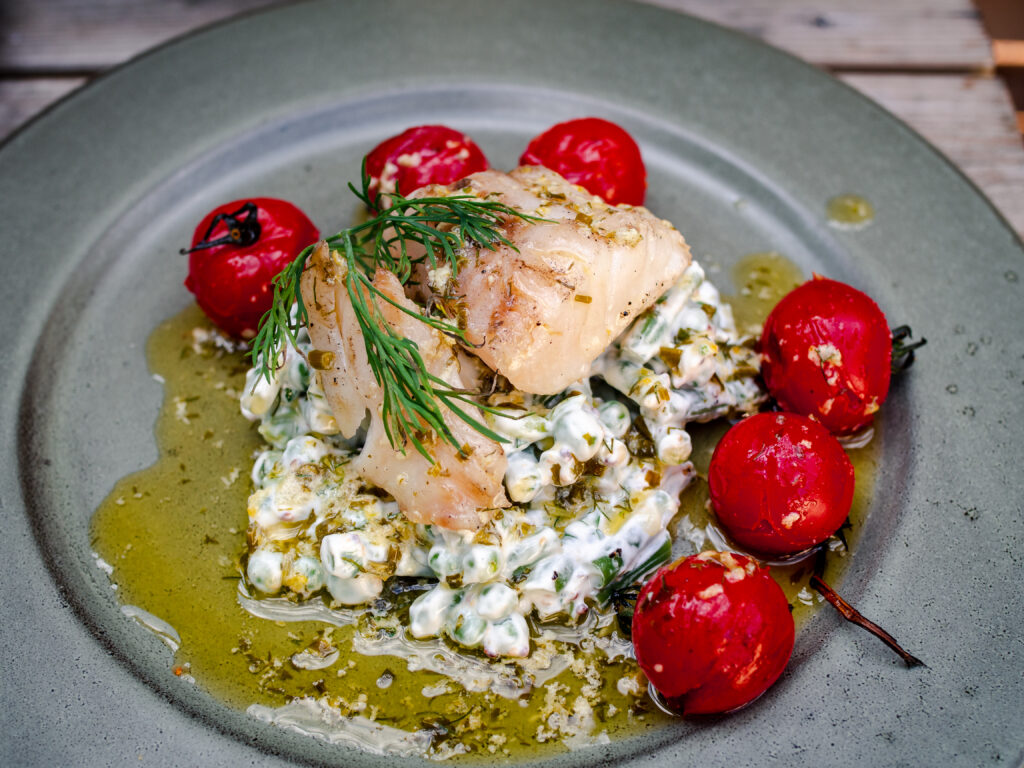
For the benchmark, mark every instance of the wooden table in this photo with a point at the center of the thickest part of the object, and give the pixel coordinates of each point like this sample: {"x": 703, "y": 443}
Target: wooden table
{"x": 927, "y": 61}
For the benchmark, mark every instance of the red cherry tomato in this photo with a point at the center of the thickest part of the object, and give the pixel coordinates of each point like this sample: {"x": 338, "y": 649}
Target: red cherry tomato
{"x": 712, "y": 632}
{"x": 780, "y": 483}
{"x": 594, "y": 153}
{"x": 827, "y": 353}
{"x": 425, "y": 154}
{"x": 237, "y": 250}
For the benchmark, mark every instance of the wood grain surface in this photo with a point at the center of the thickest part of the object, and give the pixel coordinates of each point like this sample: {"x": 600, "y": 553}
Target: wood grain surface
{"x": 860, "y": 34}
{"x": 83, "y": 36}
{"x": 50, "y": 36}
{"x": 927, "y": 61}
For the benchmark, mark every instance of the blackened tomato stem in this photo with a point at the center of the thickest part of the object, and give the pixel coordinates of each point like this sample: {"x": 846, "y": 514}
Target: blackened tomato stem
{"x": 854, "y": 616}
{"x": 241, "y": 231}
{"x": 903, "y": 348}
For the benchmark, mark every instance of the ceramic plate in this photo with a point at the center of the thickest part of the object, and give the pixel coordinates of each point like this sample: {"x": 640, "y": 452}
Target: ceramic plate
{"x": 744, "y": 145}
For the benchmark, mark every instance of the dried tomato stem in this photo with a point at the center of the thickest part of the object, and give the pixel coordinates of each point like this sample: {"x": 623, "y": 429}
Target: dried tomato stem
{"x": 854, "y": 616}
{"x": 241, "y": 231}
{"x": 902, "y": 349}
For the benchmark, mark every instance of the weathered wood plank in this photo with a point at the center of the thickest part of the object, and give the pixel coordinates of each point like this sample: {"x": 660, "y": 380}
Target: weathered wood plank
{"x": 87, "y": 35}
{"x": 970, "y": 119}
{"x": 22, "y": 99}
{"x": 53, "y": 36}
{"x": 870, "y": 34}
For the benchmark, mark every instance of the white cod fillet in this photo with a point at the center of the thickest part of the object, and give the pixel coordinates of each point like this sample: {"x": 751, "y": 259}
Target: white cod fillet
{"x": 457, "y": 492}
{"x": 542, "y": 315}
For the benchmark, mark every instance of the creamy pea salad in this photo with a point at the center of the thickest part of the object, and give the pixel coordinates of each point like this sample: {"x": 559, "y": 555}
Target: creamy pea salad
{"x": 594, "y": 476}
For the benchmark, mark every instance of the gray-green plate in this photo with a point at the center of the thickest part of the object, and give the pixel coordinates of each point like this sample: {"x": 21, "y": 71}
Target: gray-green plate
{"x": 744, "y": 145}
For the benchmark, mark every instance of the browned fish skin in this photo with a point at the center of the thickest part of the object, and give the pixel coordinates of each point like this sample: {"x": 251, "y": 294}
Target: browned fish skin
{"x": 542, "y": 312}
{"x": 457, "y": 491}
{"x": 347, "y": 381}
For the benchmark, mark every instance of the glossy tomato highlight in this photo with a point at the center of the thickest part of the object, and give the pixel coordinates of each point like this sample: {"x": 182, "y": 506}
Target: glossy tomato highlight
{"x": 827, "y": 354}
{"x": 237, "y": 250}
{"x": 780, "y": 483}
{"x": 422, "y": 155}
{"x": 597, "y": 154}
{"x": 712, "y": 632}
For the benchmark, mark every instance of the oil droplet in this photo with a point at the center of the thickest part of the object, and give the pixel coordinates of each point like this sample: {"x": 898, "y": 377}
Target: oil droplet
{"x": 952, "y": 389}
{"x": 849, "y": 212}
{"x": 761, "y": 279}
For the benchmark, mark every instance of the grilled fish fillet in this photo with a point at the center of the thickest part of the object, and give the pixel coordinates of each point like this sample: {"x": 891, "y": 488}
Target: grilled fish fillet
{"x": 542, "y": 312}
{"x": 458, "y": 491}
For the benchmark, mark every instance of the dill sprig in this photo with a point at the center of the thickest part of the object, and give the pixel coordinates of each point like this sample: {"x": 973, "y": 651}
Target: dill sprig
{"x": 624, "y": 581}
{"x": 412, "y": 396}
{"x": 622, "y": 592}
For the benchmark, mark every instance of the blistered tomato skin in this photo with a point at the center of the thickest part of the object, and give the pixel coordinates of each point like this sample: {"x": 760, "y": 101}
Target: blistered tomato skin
{"x": 827, "y": 352}
{"x": 232, "y": 283}
{"x": 712, "y": 632}
{"x": 597, "y": 154}
{"x": 780, "y": 483}
{"x": 422, "y": 155}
